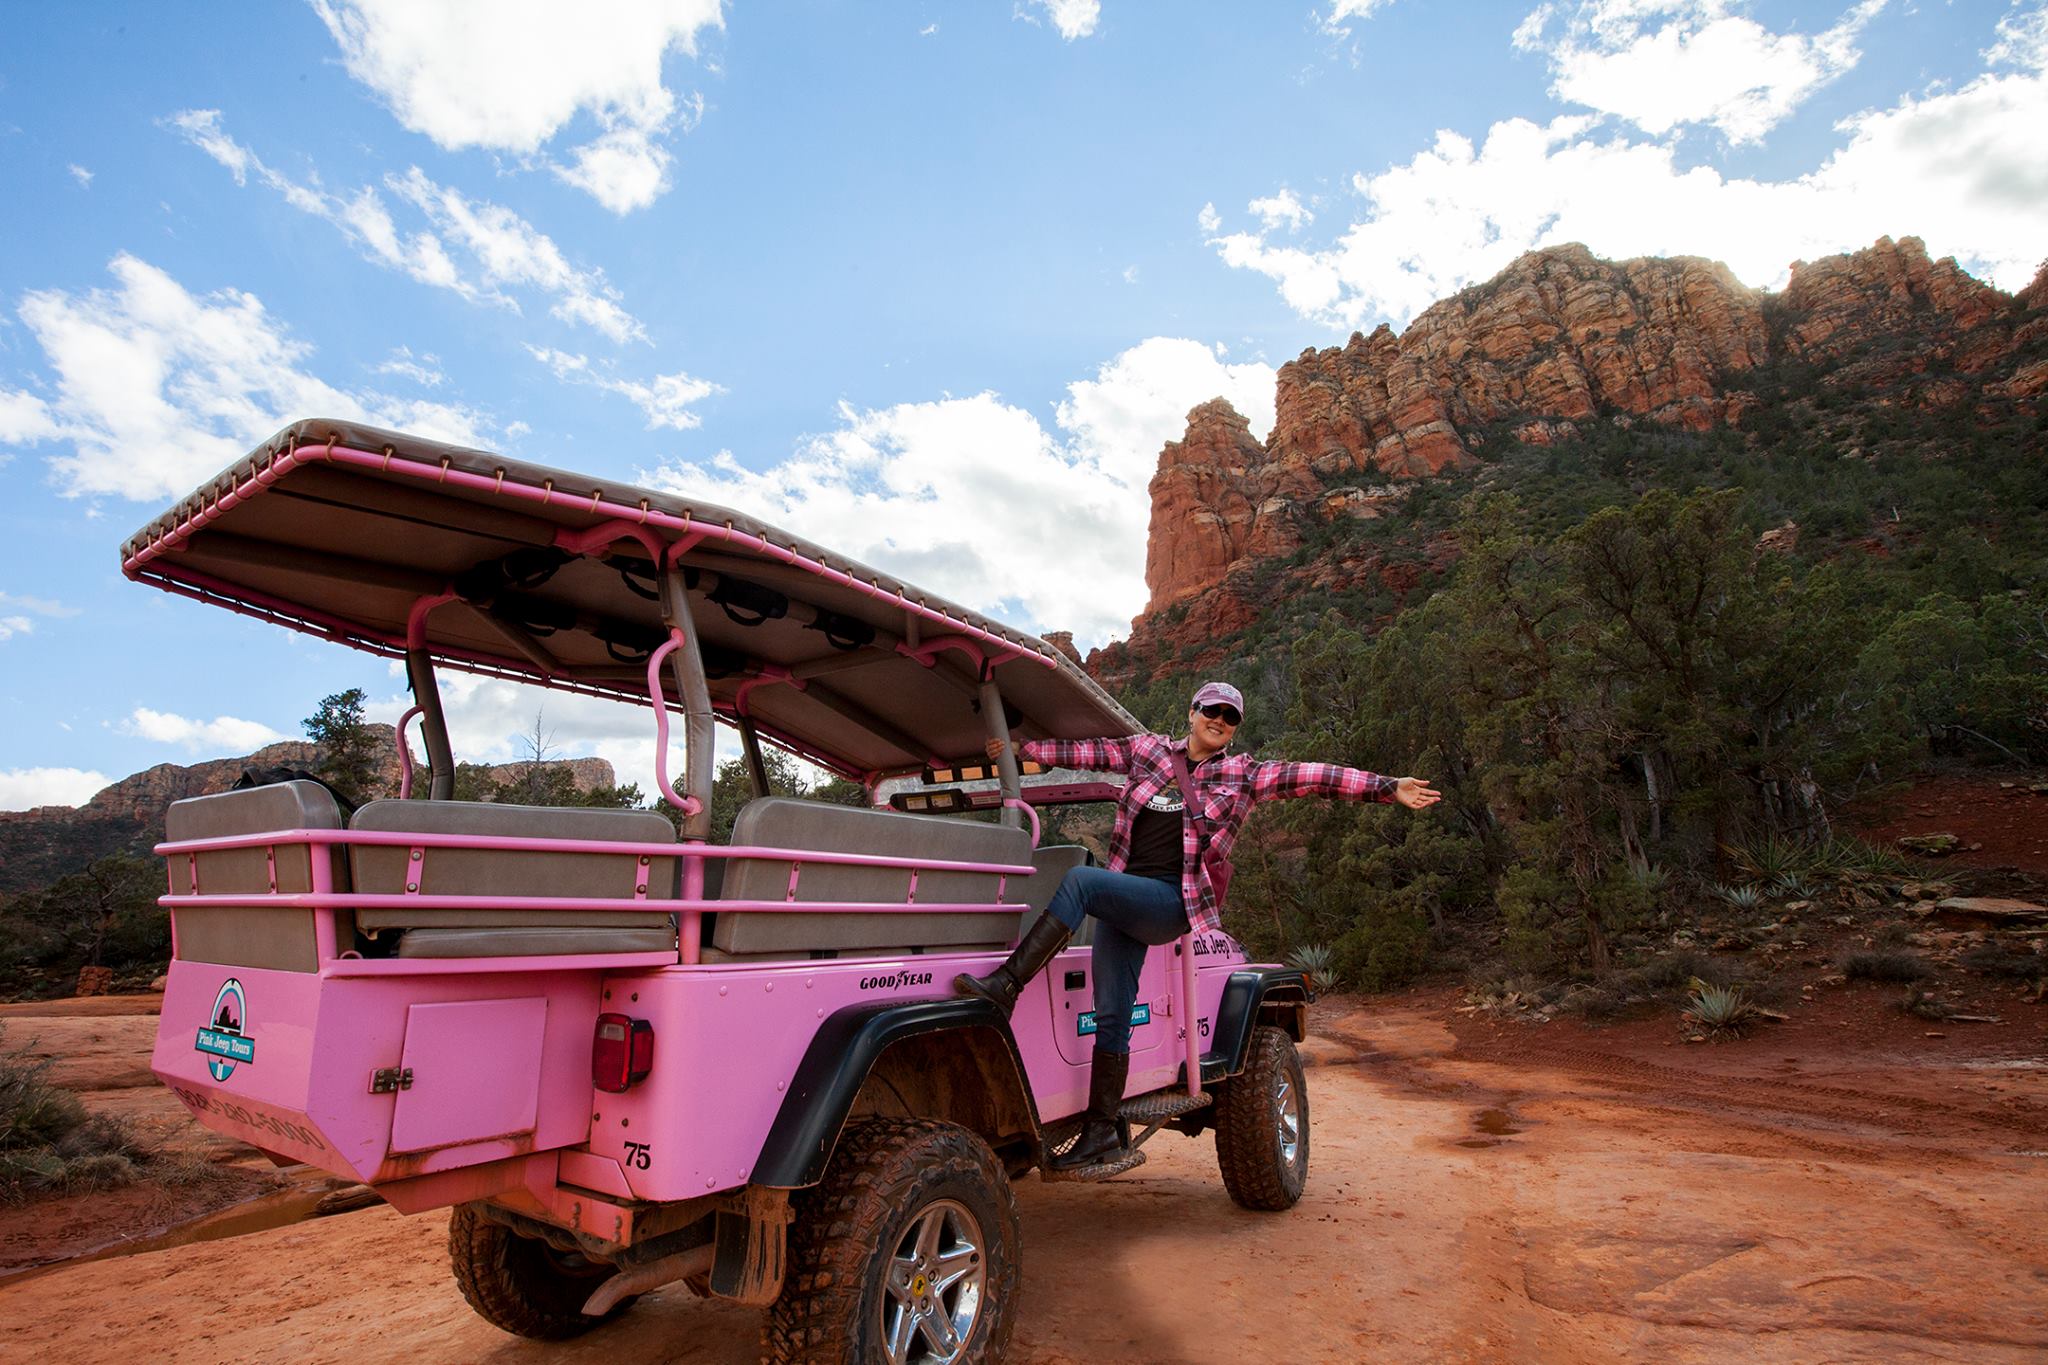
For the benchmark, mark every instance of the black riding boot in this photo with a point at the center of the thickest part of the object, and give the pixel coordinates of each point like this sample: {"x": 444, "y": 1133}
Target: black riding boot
{"x": 1102, "y": 1136}
{"x": 1002, "y": 986}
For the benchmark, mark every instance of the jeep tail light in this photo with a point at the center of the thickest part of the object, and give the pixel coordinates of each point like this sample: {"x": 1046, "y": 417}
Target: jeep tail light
{"x": 621, "y": 1053}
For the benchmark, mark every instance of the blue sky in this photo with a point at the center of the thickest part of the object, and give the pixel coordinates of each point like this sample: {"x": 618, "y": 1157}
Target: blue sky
{"x": 864, "y": 269}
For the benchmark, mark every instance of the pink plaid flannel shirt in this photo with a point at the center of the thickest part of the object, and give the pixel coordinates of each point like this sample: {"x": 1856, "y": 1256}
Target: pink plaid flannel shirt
{"x": 1226, "y": 786}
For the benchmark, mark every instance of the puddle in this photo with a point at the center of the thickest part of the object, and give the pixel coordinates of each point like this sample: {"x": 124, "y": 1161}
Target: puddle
{"x": 1479, "y": 1142}
{"x": 1497, "y": 1121}
{"x": 256, "y": 1215}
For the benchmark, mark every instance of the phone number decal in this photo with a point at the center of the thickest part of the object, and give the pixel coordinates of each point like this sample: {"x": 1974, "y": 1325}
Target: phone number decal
{"x": 237, "y": 1111}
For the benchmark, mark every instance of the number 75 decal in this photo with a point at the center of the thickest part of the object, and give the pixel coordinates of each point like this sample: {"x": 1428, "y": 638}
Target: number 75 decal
{"x": 639, "y": 1155}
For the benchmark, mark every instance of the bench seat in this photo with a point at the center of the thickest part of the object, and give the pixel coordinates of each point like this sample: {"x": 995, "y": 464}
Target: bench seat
{"x": 436, "y": 932}
{"x": 784, "y": 823}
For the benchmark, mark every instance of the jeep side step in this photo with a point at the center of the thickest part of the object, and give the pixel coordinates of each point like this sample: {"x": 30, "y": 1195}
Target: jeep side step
{"x": 1153, "y": 1110}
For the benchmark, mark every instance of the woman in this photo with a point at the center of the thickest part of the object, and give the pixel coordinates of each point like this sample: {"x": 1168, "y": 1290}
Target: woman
{"x": 1169, "y": 858}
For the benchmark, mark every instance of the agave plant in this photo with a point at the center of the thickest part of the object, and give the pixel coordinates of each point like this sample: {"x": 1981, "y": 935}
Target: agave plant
{"x": 1772, "y": 856}
{"x": 1719, "y": 1010}
{"x": 1313, "y": 960}
{"x": 1792, "y": 887}
{"x": 1744, "y": 897}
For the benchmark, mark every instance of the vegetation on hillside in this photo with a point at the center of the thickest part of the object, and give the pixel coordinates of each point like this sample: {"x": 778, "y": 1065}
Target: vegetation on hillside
{"x": 1615, "y": 687}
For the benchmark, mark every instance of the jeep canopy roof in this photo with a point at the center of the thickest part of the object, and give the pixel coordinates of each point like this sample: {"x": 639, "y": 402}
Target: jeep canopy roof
{"x": 516, "y": 571}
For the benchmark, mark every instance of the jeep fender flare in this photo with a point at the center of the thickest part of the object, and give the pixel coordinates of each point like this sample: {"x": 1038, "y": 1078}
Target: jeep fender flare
{"x": 843, "y": 1052}
{"x": 1275, "y": 995}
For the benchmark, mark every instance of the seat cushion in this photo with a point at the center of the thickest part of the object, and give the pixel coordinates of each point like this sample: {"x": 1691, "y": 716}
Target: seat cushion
{"x": 388, "y": 869}
{"x": 814, "y": 826}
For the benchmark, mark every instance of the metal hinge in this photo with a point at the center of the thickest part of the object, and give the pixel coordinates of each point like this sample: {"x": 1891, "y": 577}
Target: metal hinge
{"x": 386, "y": 1079}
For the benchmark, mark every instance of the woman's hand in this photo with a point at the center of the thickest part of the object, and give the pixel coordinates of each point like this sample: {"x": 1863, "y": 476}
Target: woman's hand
{"x": 1414, "y": 793}
{"x": 994, "y": 749}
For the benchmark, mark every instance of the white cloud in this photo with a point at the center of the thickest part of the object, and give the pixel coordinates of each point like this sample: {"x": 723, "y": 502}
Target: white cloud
{"x": 21, "y": 611}
{"x": 1958, "y": 168}
{"x": 1073, "y": 18}
{"x": 1282, "y": 207}
{"x": 157, "y": 388}
{"x": 1208, "y": 219}
{"x": 913, "y": 488}
{"x": 511, "y": 75}
{"x": 423, "y": 370}
{"x": 505, "y": 252}
{"x": 665, "y": 400}
{"x": 511, "y": 251}
{"x": 27, "y": 788}
{"x": 81, "y": 175}
{"x": 1665, "y": 64}
{"x": 1341, "y": 12}
{"x": 24, "y": 418}
{"x": 2022, "y": 40}
{"x": 222, "y": 734}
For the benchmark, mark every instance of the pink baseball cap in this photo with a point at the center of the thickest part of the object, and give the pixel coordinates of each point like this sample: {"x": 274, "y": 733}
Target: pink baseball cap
{"x": 1218, "y": 691}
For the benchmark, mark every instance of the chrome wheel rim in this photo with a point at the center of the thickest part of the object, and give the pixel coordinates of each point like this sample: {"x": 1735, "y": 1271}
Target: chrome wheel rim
{"x": 937, "y": 1272}
{"x": 1287, "y": 1108}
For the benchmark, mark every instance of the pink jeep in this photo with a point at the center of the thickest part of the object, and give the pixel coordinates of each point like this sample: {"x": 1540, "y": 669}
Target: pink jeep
{"x": 626, "y": 1058}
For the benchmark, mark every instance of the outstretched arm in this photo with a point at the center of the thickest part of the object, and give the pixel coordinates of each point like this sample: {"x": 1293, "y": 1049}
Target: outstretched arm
{"x": 1101, "y": 755}
{"x": 1274, "y": 781}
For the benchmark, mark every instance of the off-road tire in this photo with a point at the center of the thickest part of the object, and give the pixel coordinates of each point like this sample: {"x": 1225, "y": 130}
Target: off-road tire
{"x": 886, "y": 1175}
{"x": 1251, "y": 1139}
{"x": 521, "y": 1284}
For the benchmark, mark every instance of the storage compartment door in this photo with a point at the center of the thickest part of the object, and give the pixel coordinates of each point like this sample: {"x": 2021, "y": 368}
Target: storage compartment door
{"x": 474, "y": 1068}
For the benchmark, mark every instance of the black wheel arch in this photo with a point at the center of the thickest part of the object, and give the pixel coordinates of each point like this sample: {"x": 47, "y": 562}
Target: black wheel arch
{"x": 955, "y": 1055}
{"x": 1256, "y": 995}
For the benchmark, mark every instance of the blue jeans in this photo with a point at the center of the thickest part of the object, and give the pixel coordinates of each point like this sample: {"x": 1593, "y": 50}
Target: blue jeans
{"x": 1132, "y": 914}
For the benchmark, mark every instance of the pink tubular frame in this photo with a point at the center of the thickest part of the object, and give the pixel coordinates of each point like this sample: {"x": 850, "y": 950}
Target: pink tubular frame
{"x": 323, "y": 896}
{"x": 626, "y": 521}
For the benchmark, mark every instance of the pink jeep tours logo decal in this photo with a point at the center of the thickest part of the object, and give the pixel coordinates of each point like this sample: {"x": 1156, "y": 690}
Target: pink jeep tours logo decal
{"x": 226, "y": 1040}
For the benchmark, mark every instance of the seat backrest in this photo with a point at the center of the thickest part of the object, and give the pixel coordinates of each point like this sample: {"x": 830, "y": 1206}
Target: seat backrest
{"x": 1053, "y": 862}
{"x": 815, "y": 826}
{"x": 281, "y": 937}
{"x": 391, "y": 870}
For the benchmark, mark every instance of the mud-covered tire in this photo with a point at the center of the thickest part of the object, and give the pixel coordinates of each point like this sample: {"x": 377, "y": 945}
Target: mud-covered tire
{"x": 1262, "y": 1125}
{"x": 521, "y": 1284}
{"x": 901, "y": 1199}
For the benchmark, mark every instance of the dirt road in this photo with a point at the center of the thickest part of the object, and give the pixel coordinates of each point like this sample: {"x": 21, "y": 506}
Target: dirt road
{"x": 1843, "y": 1189}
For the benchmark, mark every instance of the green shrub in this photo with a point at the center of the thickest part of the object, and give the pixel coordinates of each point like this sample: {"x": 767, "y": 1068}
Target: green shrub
{"x": 1997, "y": 959}
{"x": 48, "y": 1141}
{"x": 1885, "y": 964}
{"x": 1387, "y": 949}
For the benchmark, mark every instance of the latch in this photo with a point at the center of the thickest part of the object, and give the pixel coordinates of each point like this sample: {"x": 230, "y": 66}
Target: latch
{"x": 385, "y": 1079}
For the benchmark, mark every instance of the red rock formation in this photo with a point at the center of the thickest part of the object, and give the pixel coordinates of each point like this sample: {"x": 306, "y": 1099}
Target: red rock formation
{"x": 1558, "y": 340}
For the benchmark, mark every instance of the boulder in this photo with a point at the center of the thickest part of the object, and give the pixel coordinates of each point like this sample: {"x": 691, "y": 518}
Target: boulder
{"x": 1989, "y": 912}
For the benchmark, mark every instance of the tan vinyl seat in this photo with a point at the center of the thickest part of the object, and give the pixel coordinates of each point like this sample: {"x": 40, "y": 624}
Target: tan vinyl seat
{"x": 278, "y": 937}
{"x": 434, "y": 932}
{"x": 784, "y": 823}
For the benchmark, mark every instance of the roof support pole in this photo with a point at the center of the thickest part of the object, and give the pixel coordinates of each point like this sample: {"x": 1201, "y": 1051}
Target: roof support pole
{"x": 1006, "y": 757}
{"x": 419, "y": 670}
{"x": 757, "y": 770}
{"x": 686, "y": 664}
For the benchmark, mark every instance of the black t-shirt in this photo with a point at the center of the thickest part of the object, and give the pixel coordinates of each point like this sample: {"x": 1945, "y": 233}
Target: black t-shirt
{"x": 1155, "y": 837}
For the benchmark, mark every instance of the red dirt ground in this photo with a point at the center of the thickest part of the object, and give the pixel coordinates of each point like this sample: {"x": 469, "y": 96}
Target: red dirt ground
{"x": 2006, "y": 822}
{"x": 1853, "y": 1183}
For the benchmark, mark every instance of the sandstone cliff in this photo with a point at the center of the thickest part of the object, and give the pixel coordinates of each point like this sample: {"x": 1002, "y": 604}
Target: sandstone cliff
{"x": 1559, "y": 340}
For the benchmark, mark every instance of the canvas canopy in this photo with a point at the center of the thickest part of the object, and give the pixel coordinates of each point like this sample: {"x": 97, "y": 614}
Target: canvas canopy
{"x": 373, "y": 538}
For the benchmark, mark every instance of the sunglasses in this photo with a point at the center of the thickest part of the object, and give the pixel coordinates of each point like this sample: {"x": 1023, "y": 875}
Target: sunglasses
{"x": 1223, "y": 711}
